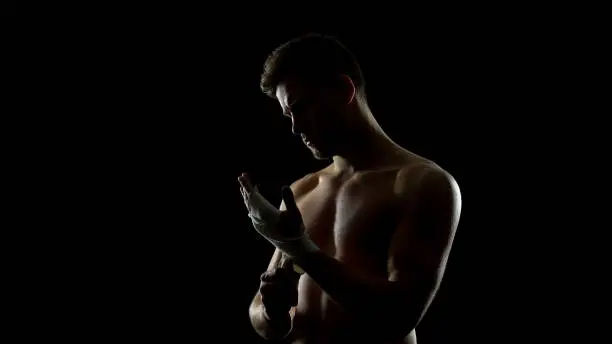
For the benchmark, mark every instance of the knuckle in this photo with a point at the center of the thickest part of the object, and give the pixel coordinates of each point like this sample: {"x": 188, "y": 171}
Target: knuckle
{"x": 269, "y": 276}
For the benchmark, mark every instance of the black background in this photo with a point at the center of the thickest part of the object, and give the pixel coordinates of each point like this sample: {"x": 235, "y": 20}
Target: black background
{"x": 8, "y": 8}
{"x": 162, "y": 117}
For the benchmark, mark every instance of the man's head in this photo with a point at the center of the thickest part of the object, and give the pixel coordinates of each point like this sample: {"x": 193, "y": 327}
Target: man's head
{"x": 318, "y": 84}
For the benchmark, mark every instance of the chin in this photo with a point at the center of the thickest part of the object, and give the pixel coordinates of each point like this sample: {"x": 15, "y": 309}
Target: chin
{"x": 317, "y": 154}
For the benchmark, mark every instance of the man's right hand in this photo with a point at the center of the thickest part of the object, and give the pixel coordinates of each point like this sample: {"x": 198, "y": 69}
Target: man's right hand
{"x": 278, "y": 290}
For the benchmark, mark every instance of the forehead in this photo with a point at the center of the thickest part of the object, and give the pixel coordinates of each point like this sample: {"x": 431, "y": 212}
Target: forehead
{"x": 291, "y": 91}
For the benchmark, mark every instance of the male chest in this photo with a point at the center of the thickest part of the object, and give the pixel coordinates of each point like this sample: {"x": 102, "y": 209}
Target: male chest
{"x": 364, "y": 221}
{"x": 318, "y": 211}
{"x": 348, "y": 220}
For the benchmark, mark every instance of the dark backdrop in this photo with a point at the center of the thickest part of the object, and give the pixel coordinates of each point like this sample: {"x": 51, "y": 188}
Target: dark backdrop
{"x": 8, "y": 8}
{"x": 167, "y": 115}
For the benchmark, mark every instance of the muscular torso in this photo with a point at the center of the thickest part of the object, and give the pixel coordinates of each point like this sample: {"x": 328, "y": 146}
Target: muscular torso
{"x": 351, "y": 218}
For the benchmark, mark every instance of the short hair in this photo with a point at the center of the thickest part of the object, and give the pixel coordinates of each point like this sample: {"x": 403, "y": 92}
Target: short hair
{"x": 313, "y": 58}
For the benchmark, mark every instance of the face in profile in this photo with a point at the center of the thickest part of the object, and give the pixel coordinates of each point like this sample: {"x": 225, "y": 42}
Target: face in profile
{"x": 315, "y": 116}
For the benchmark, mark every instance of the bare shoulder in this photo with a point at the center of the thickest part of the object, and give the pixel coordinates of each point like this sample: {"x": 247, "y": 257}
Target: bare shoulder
{"x": 427, "y": 179}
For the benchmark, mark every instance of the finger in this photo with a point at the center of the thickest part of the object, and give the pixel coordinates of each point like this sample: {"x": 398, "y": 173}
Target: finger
{"x": 245, "y": 181}
{"x": 242, "y": 181}
{"x": 269, "y": 276}
{"x": 265, "y": 277}
{"x": 245, "y": 195}
{"x": 288, "y": 198}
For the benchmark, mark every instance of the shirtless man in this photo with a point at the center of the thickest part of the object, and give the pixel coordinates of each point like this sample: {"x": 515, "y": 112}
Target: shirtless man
{"x": 361, "y": 245}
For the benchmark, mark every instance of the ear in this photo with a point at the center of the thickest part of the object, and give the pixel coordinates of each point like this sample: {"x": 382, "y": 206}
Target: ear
{"x": 348, "y": 88}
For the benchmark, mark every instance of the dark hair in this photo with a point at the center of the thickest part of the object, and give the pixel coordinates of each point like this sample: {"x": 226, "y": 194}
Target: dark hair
{"x": 313, "y": 58}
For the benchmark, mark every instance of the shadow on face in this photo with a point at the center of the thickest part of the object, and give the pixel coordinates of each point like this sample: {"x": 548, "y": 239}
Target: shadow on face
{"x": 318, "y": 115}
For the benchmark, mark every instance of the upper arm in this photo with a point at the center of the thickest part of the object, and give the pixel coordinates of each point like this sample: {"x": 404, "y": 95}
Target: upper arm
{"x": 429, "y": 214}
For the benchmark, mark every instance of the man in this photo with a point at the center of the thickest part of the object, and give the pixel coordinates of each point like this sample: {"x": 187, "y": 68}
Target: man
{"x": 361, "y": 245}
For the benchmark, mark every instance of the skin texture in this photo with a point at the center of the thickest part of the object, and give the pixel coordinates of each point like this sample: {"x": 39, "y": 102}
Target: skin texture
{"x": 382, "y": 217}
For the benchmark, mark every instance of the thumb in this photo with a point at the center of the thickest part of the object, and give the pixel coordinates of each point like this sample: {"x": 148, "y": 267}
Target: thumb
{"x": 288, "y": 198}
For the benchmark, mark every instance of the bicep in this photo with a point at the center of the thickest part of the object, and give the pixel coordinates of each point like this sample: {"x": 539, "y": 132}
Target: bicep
{"x": 421, "y": 243}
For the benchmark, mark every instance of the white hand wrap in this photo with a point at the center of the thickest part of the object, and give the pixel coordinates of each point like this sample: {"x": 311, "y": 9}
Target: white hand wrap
{"x": 265, "y": 218}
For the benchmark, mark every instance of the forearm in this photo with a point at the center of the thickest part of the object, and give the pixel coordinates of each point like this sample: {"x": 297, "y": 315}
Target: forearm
{"x": 384, "y": 305}
{"x": 272, "y": 329}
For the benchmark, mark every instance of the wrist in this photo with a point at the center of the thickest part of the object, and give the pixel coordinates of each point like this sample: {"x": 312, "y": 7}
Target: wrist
{"x": 297, "y": 247}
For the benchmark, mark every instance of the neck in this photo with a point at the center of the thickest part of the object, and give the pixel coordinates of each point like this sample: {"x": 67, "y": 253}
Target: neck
{"x": 367, "y": 146}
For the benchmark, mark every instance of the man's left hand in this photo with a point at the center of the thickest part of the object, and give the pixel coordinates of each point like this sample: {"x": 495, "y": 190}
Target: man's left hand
{"x": 276, "y": 226}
